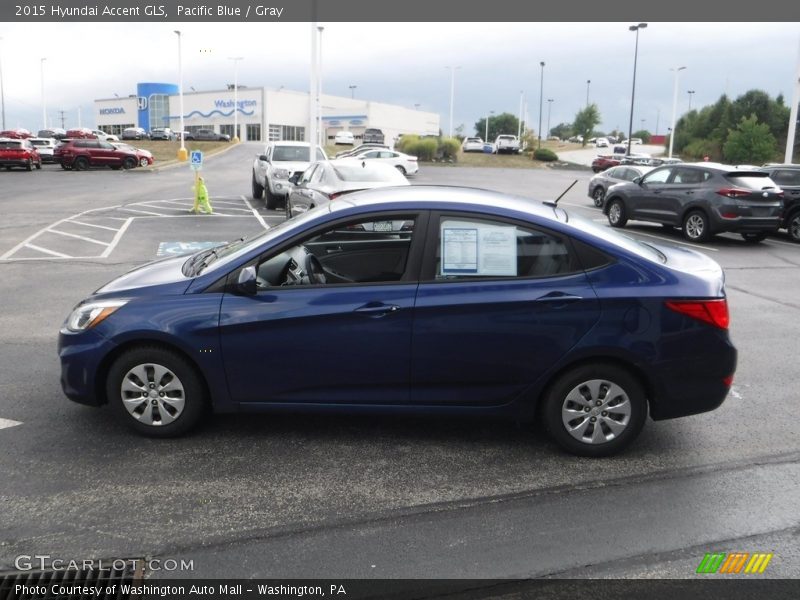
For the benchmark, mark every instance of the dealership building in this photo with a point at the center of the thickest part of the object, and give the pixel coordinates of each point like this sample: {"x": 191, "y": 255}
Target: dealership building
{"x": 263, "y": 114}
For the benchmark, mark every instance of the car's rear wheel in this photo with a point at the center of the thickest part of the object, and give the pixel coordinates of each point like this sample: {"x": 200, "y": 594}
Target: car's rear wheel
{"x": 598, "y": 195}
{"x": 754, "y": 237}
{"x": 695, "y": 227}
{"x": 401, "y": 169}
{"x": 155, "y": 391}
{"x": 616, "y": 213}
{"x": 595, "y": 409}
{"x": 29, "y": 166}
{"x": 129, "y": 163}
{"x": 258, "y": 189}
{"x": 39, "y": 165}
{"x": 794, "y": 227}
{"x": 81, "y": 163}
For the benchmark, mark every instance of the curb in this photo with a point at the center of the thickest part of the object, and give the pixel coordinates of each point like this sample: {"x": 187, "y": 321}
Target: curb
{"x": 174, "y": 163}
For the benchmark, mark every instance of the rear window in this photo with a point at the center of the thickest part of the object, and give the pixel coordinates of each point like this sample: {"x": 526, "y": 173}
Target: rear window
{"x": 751, "y": 180}
{"x": 11, "y": 145}
{"x": 505, "y": 137}
{"x": 356, "y": 173}
{"x": 786, "y": 177}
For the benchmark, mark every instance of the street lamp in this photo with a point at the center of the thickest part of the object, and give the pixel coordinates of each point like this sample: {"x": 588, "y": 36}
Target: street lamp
{"x": 352, "y": 91}
{"x": 452, "y": 95}
{"x": 235, "y": 60}
{"x": 549, "y": 108}
{"x": 541, "y": 97}
{"x": 674, "y": 107}
{"x": 588, "y": 83}
{"x": 183, "y": 154}
{"x": 691, "y": 93}
{"x": 2, "y": 91}
{"x": 319, "y": 87}
{"x": 635, "y": 28}
{"x": 486, "y": 137}
{"x": 44, "y": 104}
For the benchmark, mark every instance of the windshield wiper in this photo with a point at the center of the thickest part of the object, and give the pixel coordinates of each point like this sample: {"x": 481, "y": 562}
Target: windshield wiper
{"x": 189, "y": 266}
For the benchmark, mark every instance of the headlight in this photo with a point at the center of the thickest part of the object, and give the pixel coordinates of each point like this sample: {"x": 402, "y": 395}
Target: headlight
{"x": 282, "y": 173}
{"x": 85, "y": 316}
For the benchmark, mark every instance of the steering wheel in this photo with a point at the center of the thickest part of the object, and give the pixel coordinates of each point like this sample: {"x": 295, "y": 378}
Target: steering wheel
{"x": 316, "y": 273}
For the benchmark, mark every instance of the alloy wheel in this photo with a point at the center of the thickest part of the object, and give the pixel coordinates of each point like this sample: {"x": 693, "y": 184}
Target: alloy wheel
{"x": 152, "y": 394}
{"x": 596, "y": 411}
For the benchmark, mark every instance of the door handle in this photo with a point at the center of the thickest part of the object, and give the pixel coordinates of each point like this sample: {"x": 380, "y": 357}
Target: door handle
{"x": 377, "y": 309}
{"x": 558, "y": 298}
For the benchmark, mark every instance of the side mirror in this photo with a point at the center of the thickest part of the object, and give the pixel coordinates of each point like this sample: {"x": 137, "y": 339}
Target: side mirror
{"x": 263, "y": 158}
{"x": 295, "y": 178}
{"x": 246, "y": 285}
{"x": 637, "y": 180}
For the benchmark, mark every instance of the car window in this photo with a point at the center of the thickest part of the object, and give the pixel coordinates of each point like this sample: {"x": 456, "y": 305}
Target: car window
{"x": 786, "y": 177}
{"x": 689, "y": 176}
{"x": 657, "y": 176}
{"x": 319, "y": 175}
{"x": 372, "y": 155}
{"x": 363, "y": 251}
{"x": 308, "y": 174}
{"x": 469, "y": 248}
{"x": 616, "y": 173}
{"x": 106, "y": 145}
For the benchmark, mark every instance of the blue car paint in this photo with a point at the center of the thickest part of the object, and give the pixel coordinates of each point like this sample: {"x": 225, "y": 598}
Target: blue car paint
{"x": 249, "y": 367}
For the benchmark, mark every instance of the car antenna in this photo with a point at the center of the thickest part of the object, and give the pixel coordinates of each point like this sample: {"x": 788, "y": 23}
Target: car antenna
{"x": 554, "y": 203}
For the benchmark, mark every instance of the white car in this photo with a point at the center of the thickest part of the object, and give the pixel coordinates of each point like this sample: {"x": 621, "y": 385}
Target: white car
{"x": 106, "y": 137}
{"x": 404, "y": 163}
{"x": 344, "y": 137}
{"x": 273, "y": 168}
{"x": 472, "y": 144}
{"x": 601, "y": 143}
{"x": 45, "y": 146}
{"x": 636, "y": 141}
{"x": 507, "y": 143}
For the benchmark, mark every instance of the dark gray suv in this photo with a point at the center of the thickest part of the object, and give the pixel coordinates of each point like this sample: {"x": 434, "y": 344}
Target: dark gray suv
{"x": 788, "y": 177}
{"x": 702, "y": 199}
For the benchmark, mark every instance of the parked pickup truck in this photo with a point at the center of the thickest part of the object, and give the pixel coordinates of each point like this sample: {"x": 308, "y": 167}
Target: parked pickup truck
{"x": 372, "y": 136}
{"x": 273, "y": 169}
{"x": 506, "y": 144}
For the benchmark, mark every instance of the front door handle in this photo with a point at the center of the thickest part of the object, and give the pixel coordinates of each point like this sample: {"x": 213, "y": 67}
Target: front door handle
{"x": 377, "y": 309}
{"x": 555, "y": 298}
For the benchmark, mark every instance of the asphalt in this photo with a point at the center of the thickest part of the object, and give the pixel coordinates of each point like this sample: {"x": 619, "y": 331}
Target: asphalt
{"x": 434, "y": 498}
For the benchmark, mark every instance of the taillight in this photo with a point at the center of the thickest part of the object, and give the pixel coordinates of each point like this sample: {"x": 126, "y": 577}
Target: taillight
{"x": 713, "y": 312}
{"x": 733, "y": 192}
{"x": 728, "y": 381}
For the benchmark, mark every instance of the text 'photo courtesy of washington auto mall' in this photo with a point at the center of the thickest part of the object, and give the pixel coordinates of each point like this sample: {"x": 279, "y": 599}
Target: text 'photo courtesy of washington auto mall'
{"x": 331, "y": 302}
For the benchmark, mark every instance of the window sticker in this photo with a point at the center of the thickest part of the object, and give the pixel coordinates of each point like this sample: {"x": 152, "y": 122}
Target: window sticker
{"x": 478, "y": 249}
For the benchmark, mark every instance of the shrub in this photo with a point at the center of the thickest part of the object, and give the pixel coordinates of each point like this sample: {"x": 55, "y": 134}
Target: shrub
{"x": 405, "y": 142}
{"x": 699, "y": 149}
{"x": 448, "y": 148}
{"x": 545, "y": 155}
{"x": 423, "y": 149}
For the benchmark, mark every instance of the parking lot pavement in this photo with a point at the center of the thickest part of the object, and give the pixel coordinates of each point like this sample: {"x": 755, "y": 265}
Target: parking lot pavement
{"x": 76, "y": 484}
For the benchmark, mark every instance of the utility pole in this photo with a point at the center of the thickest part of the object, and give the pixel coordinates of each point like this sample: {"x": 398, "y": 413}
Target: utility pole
{"x": 63, "y": 120}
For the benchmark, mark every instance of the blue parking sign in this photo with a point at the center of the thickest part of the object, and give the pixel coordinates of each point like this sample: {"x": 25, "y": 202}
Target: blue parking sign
{"x": 196, "y": 160}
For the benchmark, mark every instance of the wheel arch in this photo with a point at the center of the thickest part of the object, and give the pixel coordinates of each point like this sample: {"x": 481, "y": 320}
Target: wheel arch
{"x": 609, "y": 200}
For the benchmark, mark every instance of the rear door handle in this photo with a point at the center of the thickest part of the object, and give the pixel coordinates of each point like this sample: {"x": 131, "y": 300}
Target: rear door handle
{"x": 377, "y": 309}
{"x": 558, "y": 298}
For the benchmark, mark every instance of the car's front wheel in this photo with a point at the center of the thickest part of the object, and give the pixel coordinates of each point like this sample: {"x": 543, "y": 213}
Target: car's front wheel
{"x": 598, "y": 195}
{"x": 595, "y": 409}
{"x": 143, "y": 162}
{"x": 695, "y": 227}
{"x": 272, "y": 199}
{"x": 155, "y": 391}
{"x": 616, "y": 213}
{"x": 793, "y": 227}
{"x": 258, "y": 189}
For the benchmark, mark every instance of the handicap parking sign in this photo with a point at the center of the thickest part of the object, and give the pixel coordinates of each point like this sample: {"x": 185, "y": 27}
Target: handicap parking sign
{"x": 196, "y": 160}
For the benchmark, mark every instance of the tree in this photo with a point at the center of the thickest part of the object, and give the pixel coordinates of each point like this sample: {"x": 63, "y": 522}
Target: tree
{"x": 643, "y": 135}
{"x": 750, "y": 142}
{"x": 585, "y": 121}
{"x": 504, "y": 123}
{"x": 562, "y": 130}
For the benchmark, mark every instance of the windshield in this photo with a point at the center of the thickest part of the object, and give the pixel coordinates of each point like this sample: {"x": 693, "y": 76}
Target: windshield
{"x": 294, "y": 154}
{"x": 359, "y": 173}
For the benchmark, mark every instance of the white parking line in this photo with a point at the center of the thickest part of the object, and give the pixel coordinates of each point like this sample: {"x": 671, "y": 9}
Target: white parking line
{"x": 46, "y": 251}
{"x": 165, "y": 202}
{"x": 117, "y": 238}
{"x": 91, "y": 225}
{"x": 5, "y": 423}
{"x": 144, "y": 212}
{"x": 256, "y": 213}
{"x": 74, "y": 235}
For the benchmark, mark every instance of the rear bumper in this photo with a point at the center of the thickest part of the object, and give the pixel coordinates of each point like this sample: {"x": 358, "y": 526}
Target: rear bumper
{"x": 14, "y": 162}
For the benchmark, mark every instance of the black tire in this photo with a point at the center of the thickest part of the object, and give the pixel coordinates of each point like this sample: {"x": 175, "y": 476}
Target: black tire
{"x": 272, "y": 200}
{"x": 793, "y": 227}
{"x": 80, "y": 164}
{"x": 696, "y": 227}
{"x": 144, "y": 358}
{"x": 66, "y": 167}
{"x": 754, "y": 237}
{"x": 574, "y": 391}
{"x": 598, "y": 195}
{"x": 596, "y": 169}
{"x": 401, "y": 169}
{"x": 29, "y": 166}
{"x": 258, "y": 189}
{"x": 39, "y": 166}
{"x": 617, "y": 216}
{"x": 130, "y": 163}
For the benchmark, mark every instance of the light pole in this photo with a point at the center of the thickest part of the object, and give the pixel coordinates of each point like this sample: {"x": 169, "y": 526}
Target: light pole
{"x": 352, "y": 91}
{"x": 541, "y": 98}
{"x": 183, "y": 154}
{"x": 658, "y": 118}
{"x": 2, "y": 90}
{"x": 486, "y": 138}
{"x": 691, "y": 94}
{"x": 674, "y": 107}
{"x": 635, "y": 28}
{"x": 588, "y": 83}
{"x": 549, "y": 108}
{"x": 44, "y": 104}
{"x": 235, "y": 60}
{"x": 452, "y": 95}
{"x": 519, "y": 121}
{"x": 319, "y": 89}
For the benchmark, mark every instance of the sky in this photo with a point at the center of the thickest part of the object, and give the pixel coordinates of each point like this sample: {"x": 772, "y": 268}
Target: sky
{"x": 406, "y": 64}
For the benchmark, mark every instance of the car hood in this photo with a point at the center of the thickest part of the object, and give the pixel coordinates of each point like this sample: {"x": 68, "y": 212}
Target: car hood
{"x": 161, "y": 272}
{"x": 290, "y": 165}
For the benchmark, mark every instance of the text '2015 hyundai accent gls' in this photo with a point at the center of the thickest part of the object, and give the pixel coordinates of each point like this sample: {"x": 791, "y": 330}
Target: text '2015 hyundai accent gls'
{"x": 478, "y": 304}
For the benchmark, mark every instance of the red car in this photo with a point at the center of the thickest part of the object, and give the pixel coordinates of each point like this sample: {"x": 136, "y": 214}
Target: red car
{"x": 16, "y": 134}
{"x": 605, "y": 161}
{"x": 19, "y": 153}
{"x": 82, "y": 133}
{"x": 81, "y": 154}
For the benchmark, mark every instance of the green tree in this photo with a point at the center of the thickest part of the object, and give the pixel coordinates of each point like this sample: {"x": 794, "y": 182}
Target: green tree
{"x": 504, "y": 123}
{"x": 585, "y": 122}
{"x": 562, "y": 130}
{"x": 643, "y": 135}
{"x": 750, "y": 142}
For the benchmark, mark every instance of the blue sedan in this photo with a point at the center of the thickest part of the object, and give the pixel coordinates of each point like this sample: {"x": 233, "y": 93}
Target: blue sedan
{"x": 418, "y": 299}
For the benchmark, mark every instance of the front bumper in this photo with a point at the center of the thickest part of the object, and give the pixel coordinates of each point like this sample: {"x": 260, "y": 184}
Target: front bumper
{"x": 81, "y": 357}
